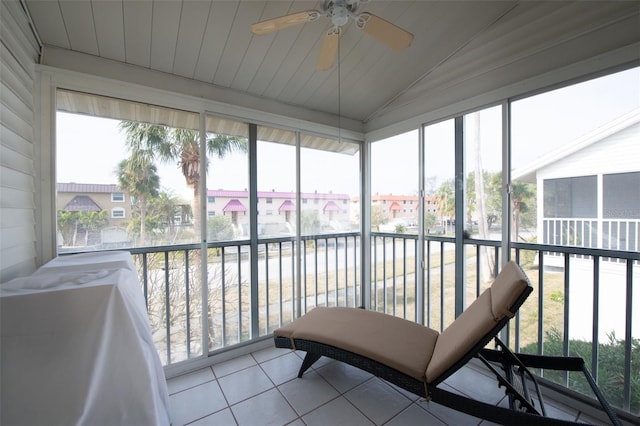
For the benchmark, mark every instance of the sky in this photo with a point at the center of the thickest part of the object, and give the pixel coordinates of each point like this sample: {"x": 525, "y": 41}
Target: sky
{"x": 89, "y": 149}
{"x": 540, "y": 124}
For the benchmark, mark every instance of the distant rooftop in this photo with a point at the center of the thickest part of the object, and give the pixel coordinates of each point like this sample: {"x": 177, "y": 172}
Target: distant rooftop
{"x": 87, "y": 187}
{"x": 81, "y": 203}
{"x": 277, "y": 194}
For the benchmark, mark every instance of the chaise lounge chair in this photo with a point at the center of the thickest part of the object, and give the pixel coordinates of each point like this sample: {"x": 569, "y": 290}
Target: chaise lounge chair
{"x": 418, "y": 359}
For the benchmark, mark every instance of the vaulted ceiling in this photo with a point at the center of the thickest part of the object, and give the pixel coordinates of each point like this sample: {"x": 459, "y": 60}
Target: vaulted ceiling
{"x": 460, "y": 49}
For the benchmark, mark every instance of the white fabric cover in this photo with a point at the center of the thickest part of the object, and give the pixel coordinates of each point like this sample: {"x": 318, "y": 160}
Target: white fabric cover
{"x": 76, "y": 346}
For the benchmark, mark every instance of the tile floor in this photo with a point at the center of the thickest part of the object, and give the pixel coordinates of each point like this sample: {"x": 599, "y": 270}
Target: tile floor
{"x": 261, "y": 388}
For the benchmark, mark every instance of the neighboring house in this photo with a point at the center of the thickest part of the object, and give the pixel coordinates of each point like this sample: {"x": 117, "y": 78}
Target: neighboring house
{"x": 397, "y": 210}
{"x": 94, "y": 197}
{"x": 403, "y": 207}
{"x": 277, "y": 210}
{"x": 84, "y": 197}
{"x": 589, "y": 190}
{"x": 398, "y": 207}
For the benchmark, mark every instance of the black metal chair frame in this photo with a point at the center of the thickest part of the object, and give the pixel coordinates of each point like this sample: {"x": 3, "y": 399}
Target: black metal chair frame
{"x": 515, "y": 376}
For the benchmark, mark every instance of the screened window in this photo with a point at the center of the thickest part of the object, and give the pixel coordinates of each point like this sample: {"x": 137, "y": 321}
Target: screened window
{"x": 621, "y": 196}
{"x": 571, "y": 197}
{"x": 122, "y": 158}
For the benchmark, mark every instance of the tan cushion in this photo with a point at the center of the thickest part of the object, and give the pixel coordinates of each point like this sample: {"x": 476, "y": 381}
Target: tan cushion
{"x": 477, "y": 320}
{"x": 506, "y": 288}
{"x": 457, "y": 339}
{"x": 394, "y": 342}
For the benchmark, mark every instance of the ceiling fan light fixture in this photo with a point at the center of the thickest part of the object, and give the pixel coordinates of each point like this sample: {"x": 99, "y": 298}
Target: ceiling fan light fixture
{"x": 339, "y": 16}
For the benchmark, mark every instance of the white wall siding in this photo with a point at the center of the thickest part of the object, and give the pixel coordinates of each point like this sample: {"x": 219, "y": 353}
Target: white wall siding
{"x": 18, "y": 54}
{"x": 617, "y": 153}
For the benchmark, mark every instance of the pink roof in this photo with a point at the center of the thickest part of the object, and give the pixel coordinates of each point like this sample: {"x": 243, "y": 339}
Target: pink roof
{"x": 287, "y": 206}
{"x": 331, "y": 207}
{"x": 227, "y": 194}
{"x": 234, "y": 206}
{"x": 276, "y": 194}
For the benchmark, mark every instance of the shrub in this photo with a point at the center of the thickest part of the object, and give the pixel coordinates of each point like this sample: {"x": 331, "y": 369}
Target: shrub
{"x": 610, "y": 366}
{"x": 219, "y": 228}
{"x": 528, "y": 257}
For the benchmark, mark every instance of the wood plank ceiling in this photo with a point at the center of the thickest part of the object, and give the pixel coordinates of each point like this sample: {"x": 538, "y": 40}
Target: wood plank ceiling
{"x": 455, "y": 42}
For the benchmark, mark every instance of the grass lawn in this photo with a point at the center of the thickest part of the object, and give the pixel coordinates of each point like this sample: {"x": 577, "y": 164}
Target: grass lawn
{"x": 401, "y": 283}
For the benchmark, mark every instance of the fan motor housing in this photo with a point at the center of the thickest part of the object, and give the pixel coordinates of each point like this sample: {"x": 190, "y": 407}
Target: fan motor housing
{"x": 348, "y": 5}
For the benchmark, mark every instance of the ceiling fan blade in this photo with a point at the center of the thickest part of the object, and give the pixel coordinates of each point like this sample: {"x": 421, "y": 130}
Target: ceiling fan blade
{"x": 328, "y": 50}
{"x": 286, "y": 21}
{"x": 384, "y": 31}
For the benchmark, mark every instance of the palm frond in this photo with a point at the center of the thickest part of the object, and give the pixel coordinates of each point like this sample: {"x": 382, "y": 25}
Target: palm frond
{"x": 221, "y": 145}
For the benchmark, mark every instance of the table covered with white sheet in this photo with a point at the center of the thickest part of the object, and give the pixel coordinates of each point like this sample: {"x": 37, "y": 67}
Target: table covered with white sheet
{"x": 76, "y": 346}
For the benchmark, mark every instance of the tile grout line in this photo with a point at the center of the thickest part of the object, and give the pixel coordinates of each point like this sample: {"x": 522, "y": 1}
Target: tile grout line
{"x": 277, "y": 388}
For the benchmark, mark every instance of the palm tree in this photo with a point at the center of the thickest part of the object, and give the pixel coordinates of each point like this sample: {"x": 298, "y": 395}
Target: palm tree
{"x": 377, "y": 216}
{"x": 446, "y": 201}
{"x": 92, "y": 221}
{"x": 66, "y": 224}
{"x": 522, "y": 196}
{"x": 140, "y": 179}
{"x": 166, "y": 144}
{"x": 164, "y": 208}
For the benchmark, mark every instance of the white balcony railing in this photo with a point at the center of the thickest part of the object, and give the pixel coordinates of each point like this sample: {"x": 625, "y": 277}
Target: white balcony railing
{"x": 614, "y": 234}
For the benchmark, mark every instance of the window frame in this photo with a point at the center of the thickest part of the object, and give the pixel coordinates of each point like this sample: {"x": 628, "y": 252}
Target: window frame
{"x": 120, "y": 210}
{"x": 115, "y": 200}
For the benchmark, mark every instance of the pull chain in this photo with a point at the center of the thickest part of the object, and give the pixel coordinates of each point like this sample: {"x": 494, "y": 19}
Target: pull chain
{"x": 339, "y": 92}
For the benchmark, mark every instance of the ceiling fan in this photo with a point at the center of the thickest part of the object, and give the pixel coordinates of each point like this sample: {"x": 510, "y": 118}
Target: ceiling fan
{"x": 339, "y": 11}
